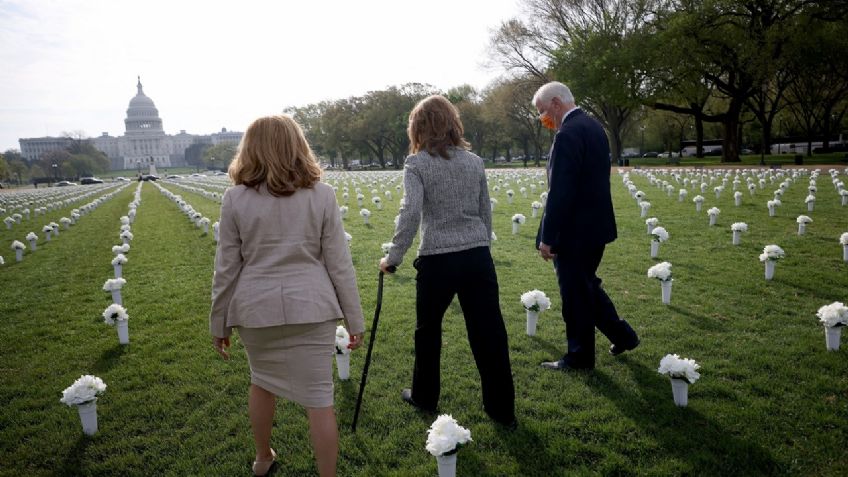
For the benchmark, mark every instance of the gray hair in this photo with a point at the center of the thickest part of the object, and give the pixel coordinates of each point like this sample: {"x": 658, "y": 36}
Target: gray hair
{"x": 552, "y": 90}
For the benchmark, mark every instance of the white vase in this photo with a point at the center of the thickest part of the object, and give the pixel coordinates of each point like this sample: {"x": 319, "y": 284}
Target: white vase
{"x": 365, "y": 219}
{"x": 116, "y": 297}
{"x": 509, "y": 199}
{"x": 47, "y": 236}
{"x": 666, "y": 291}
{"x": 215, "y": 233}
{"x": 205, "y": 228}
{"x": 343, "y": 365}
{"x": 88, "y": 417}
{"x": 737, "y": 237}
{"x": 810, "y": 206}
{"x": 123, "y": 331}
{"x": 738, "y": 201}
{"x": 532, "y": 319}
{"x": 712, "y": 220}
{"x": 19, "y": 254}
{"x": 447, "y": 465}
{"x": 515, "y": 227}
{"x": 118, "y": 268}
{"x": 8, "y": 225}
{"x": 32, "y": 245}
{"x": 697, "y": 206}
{"x": 649, "y": 228}
{"x": 771, "y": 211}
{"x": 844, "y": 200}
{"x": 769, "y": 269}
{"x": 831, "y": 336}
{"x": 655, "y": 248}
{"x": 533, "y": 212}
{"x": 845, "y": 253}
{"x": 680, "y": 391}
{"x": 644, "y": 212}
{"x": 802, "y": 228}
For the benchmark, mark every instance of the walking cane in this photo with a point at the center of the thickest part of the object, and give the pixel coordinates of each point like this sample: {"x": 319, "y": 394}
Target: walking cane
{"x": 370, "y": 347}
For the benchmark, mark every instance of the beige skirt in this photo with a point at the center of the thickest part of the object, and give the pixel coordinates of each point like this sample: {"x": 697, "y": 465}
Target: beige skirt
{"x": 293, "y": 361}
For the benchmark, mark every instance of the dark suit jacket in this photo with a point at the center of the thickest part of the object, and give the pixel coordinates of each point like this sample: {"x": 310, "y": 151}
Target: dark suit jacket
{"x": 579, "y": 207}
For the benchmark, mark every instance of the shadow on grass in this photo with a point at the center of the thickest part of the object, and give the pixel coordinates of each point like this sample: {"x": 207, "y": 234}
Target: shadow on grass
{"x": 72, "y": 464}
{"x": 821, "y": 293}
{"x": 682, "y": 432}
{"x": 108, "y": 359}
{"x": 555, "y": 349}
{"x": 529, "y": 451}
{"x": 704, "y": 322}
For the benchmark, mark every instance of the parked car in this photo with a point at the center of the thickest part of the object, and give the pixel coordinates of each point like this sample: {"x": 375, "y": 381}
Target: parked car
{"x": 121, "y": 179}
{"x": 667, "y": 155}
{"x": 650, "y": 154}
{"x": 90, "y": 180}
{"x": 150, "y": 177}
{"x": 65, "y": 184}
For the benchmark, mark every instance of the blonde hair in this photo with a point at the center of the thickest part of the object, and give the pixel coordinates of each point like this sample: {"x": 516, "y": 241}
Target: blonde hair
{"x": 434, "y": 126}
{"x": 274, "y": 151}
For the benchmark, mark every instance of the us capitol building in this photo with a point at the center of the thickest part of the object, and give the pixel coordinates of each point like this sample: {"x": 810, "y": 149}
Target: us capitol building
{"x": 144, "y": 142}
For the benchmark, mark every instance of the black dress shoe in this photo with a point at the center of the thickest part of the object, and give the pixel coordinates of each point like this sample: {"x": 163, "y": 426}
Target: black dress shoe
{"x": 563, "y": 365}
{"x": 406, "y": 395}
{"x": 616, "y": 350}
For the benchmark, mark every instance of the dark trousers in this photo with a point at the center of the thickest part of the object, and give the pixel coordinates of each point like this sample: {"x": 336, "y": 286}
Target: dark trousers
{"x": 470, "y": 275}
{"x": 586, "y": 306}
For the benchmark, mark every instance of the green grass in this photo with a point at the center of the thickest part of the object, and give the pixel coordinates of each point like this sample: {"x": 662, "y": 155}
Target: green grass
{"x": 771, "y": 400}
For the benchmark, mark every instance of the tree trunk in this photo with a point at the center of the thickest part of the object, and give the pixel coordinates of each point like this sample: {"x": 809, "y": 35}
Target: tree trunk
{"x": 699, "y": 136}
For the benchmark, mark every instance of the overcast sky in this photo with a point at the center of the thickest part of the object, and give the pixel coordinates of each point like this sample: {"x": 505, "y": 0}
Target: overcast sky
{"x": 70, "y": 65}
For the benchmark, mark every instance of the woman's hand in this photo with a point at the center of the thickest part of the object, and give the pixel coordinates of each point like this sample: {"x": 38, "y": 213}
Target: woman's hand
{"x": 385, "y": 267}
{"x": 355, "y": 341}
{"x": 221, "y": 345}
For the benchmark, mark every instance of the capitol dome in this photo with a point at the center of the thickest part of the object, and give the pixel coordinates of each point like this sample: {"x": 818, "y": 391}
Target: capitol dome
{"x": 142, "y": 115}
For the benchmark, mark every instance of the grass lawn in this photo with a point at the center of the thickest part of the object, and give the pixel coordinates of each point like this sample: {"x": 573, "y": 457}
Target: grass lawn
{"x": 771, "y": 400}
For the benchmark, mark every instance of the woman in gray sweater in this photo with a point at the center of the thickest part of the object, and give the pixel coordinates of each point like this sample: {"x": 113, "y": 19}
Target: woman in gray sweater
{"x": 447, "y": 195}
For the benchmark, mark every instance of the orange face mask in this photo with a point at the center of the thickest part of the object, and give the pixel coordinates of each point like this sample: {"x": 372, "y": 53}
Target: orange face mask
{"x": 548, "y": 121}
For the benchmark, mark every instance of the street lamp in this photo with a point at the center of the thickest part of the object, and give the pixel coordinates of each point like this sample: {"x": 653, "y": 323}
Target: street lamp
{"x": 55, "y": 170}
{"x": 642, "y": 141}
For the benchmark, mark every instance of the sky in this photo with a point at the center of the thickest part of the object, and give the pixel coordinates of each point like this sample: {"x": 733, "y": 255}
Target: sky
{"x": 71, "y": 65}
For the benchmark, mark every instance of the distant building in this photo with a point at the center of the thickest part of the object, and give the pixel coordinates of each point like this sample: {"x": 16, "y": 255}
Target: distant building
{"x": 34, "y": 148}
{"x": 143, "y": 143}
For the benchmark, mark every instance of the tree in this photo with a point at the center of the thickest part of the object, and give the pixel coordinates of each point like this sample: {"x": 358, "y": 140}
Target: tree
{"x": 220, "y": 156}
{"x": 18, "y": 168}
{"x": 5, "y": 171}
{"x": 736, "y": 47}
{"x": 595, "y": 47}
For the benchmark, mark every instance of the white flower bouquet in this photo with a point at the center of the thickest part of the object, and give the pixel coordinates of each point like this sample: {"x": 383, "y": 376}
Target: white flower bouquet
{"x": 650, "y": 223}
{"x": 534, "y": 208}
{"x": 342, "y": 340}
{"x": 698, "y": 200}
{"x": 676, "y": 367}
{"x": 659, "y": 234}
{"x": 83, "y": 394}
{"x": 517, "y": 221}
{"x": 118, "y": 249}
{"x": 378, "y": 202}
{"x": 386, "y": 247}
{"x": 348, "y": 238}
{"x": 644, "y": 207}
{"x": 446, "y": 436}
{"x": 365, "y": 214}
{"x": 492, "y": 203}
{"x": 113, "y": 284}
{"x": 535, "y": 301}
{"x": 772, "y": 253}
{"x": 713, "y": 213}
{"x": 835, "y": 314}
{"x": 32, "y": 239}
{"x": 113, "y": 313}
{"x": 83, "y": 391}
{"x": 802, "y": 221}
{"x": 660, "y": 271}
{"x": 738, "y": 228}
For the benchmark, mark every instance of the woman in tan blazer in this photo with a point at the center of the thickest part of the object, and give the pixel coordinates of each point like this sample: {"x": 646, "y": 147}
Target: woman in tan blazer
{"x": 283, "y": 277}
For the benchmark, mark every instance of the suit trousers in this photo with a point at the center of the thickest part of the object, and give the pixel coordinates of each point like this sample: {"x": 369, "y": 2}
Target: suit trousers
{"x": 585, "y": 305}
{"x": 469, "y": 275}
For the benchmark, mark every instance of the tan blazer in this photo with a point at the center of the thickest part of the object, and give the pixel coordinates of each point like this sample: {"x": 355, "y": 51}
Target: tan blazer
{"x": 282, "y": 260}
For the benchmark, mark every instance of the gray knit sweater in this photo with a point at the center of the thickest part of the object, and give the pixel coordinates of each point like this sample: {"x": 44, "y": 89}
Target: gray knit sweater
{"x": 449, "y": 198}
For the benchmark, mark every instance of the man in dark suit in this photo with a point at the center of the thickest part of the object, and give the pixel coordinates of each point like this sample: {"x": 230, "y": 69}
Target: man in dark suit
{"x": 577, "y": 224}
